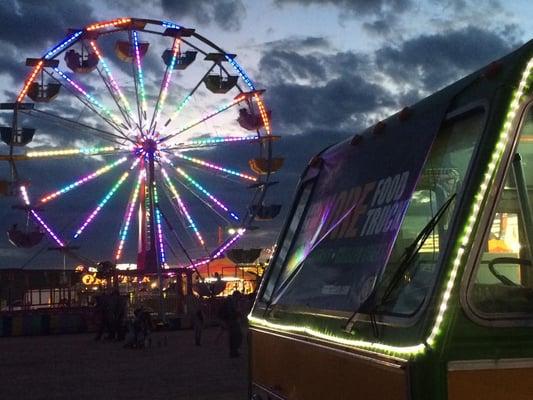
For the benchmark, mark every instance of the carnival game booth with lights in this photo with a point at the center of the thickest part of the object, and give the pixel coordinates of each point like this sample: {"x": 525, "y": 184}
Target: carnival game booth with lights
{"x": 174, "y": 159}
{"x": 404, "y": 270}
{"x": 238, "y": 271}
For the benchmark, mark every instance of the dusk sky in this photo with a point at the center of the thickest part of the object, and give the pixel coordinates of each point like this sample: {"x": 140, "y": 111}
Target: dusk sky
{"x": 330, "y": 68}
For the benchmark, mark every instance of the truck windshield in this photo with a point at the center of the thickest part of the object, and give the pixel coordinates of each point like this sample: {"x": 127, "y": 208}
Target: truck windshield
{"x": 341, "y": 255}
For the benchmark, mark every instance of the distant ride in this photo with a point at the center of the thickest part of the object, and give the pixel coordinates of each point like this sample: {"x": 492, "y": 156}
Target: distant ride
{"x": 405, "y": 268}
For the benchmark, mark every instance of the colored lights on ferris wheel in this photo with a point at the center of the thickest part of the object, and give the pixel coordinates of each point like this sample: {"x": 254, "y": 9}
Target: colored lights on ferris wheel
{"x": 160, "y": 237}
{"x": 24, "y": 194}
{"x": 228, "y": 244}
{"x": 181, "y": 105}
{"x": 166, "y": 84}
{"x": 83, "y": 180}
{"x": 182, "y": 207}
{"x": 47, "y": 228}
{"x": 101, "y": 204}
{"x": 263, "y": 112}
{"x": 227, "y": 139}
{"x": 241, "y": 72}
{"x": 29, "y": 81}
{"x": 166, "y": 80}
{"x": 108, "y": 24}
{"x": 233, "y": 231}
{"x": 70, "y": 152}
{"x": 223, "y": 108}
{"x": 203, "y": 190}
{"x": 131, "y": 207}
{"x": 87, "y": 95}
{"x": 139, "y": 69}
{"x": 215, "y": 167}
{"x": 159, "y": 228}
{"x": 170, "y": 25}
{"x": 26, "y": 199}
{"x": 51, "y": 53}
{"x": 114, "y": 84}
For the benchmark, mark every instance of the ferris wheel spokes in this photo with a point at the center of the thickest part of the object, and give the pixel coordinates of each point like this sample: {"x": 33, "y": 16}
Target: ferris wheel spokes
{"x": 63, "y": 121}
{"x": 26, "y": 200}
{"x": 91, "y": 103}
{"x": 123, "y": 233}
{"x": 138, "y": 79}
{"x": 209, "y": 166}
{"x": 207, "y": 194}
{"x": 163, "y": 90}
{"x": 239, "y": 99}
{"x": 187, "y": 98}
{"x": 113, "y": 87}
{"x": 115, "y": 121}
{"x": 82, "y": 181}
{"x": 54, "y": 154}
{"x": 212, "y": 141}
{"x": 218, "y": 252}
{"x": 183, "y": 208}
{"x": 203, "y": 200}
{"x": 104, "y": 200}
{"x": 159, "y": 226}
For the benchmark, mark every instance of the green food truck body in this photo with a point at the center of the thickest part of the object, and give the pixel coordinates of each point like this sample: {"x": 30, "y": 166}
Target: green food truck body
{"x": 404, "y": 270}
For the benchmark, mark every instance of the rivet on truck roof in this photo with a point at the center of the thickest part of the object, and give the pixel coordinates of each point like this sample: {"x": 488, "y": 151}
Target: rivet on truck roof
{"x": 492, "y": 69}
{"x": 405, "y": 114}
{"x": 379, "y": 128}
{"x": 357, "y": 138}
{"x": 316, "y": 162}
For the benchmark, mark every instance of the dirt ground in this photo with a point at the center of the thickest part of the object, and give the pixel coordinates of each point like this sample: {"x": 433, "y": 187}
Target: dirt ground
{"x": 76, "y": 367}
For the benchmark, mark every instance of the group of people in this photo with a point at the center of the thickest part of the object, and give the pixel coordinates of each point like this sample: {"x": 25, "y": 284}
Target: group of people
{"x": 230, "y": 316}
{"x": 110, "y": 313}
{"x": 112, "y": 321}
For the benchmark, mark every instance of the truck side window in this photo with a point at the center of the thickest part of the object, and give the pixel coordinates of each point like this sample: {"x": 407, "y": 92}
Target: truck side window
{"x": 503, "y": 280}
{"x": 287, "y": 244}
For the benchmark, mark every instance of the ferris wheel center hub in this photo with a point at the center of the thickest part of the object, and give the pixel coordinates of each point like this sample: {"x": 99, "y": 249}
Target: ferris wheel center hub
{"x": 149, "y": 146}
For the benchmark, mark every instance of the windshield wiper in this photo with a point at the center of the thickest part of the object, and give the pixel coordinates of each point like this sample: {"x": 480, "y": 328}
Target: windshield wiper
{"x": 370, "y": 305}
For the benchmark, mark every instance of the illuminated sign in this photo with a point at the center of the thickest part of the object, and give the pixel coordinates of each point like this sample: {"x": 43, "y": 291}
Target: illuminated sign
{"x": 92, "y": 280}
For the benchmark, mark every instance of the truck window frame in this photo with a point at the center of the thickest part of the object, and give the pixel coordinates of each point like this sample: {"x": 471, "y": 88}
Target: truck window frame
{"x": 506, "y": 319}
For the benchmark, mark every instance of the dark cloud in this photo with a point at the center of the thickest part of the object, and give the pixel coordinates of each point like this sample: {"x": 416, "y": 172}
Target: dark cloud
{"x": 28, "y": 27}
{"x": 382, "y": 26}
{"x": 434, "y": 60}
{"x": 227, "y": 14}
{"x": 289, "y": 65}
{"x": 339, "y": 104}
{"x": 30, "y": 23}
{"x": 299, "y": 43}
{"x": 463, "y": 5}
{"x": 356, "y": 7}
{"x": 320, "y": 90}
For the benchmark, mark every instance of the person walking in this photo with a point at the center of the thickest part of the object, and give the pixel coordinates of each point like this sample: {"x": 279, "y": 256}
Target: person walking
{"x": 231, "y": 317}
{"x": 198, "y": 318}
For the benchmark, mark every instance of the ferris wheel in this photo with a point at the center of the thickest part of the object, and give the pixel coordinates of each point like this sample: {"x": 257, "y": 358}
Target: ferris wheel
{"x": 144, "y": 107}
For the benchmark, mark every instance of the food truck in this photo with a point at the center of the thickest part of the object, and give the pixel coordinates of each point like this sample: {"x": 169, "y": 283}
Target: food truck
{"x": 404, "y": 269}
